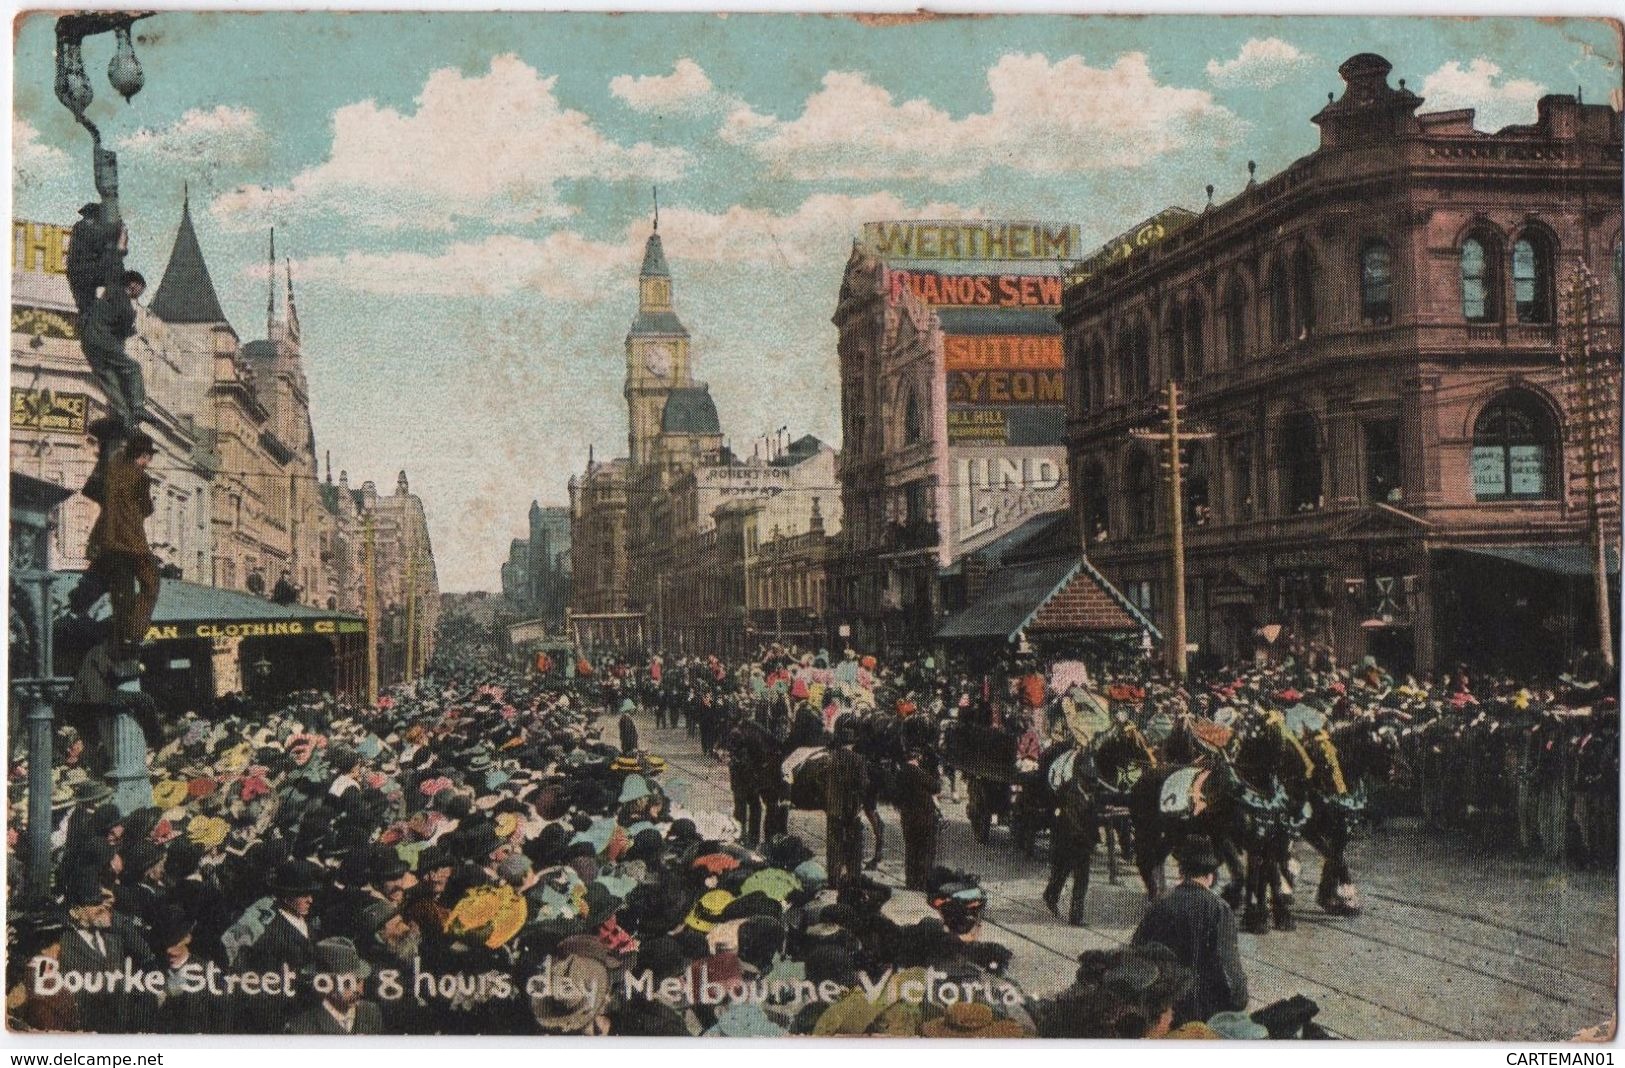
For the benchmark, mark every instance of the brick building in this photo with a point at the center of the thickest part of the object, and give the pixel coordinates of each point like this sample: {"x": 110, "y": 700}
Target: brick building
{"x": 1372, "y": 338}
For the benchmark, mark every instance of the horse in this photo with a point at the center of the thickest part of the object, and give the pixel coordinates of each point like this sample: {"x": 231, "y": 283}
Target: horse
{"x": 762, "y": 797}
{"x": 1171, "y": 803}
{"x": 1077, "y": 783}
{"x": 1353, "y": 752}
{"x": 759, "y": 792}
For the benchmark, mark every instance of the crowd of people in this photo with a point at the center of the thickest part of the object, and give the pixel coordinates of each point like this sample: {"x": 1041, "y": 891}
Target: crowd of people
{"x": 494, "y": 851}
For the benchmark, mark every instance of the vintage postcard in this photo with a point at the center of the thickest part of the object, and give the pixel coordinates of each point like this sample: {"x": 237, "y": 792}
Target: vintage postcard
{"x": 700, "y": 526}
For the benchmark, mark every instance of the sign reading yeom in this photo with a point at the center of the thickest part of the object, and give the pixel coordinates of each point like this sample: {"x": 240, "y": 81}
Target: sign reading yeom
{"x": 920, "y": 239}
{"x": 994, "y": 490}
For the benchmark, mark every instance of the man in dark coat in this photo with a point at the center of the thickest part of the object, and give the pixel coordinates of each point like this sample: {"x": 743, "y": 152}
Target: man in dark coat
{"x": 289, "y": 939}
{"x": 118, "y": 548}
{"x": 94, "y": 943}
{"x": 108, "y": 325}
{"x": 342, "y": 1011}
{"x": 91, "y": 244}
{"x": 845, "y": 784}
{"x": 1199, "y": 927}
{"x": 917, "y": 787}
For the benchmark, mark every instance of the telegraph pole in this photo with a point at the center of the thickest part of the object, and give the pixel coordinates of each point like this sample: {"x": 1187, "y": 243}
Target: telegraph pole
{"x": 1176, "y": 513}
{"x": 1593, "y": 398}
{"x": 411, "y": 613}
{"x": 1173, "y": 438}
{"x": 370, "y": 567}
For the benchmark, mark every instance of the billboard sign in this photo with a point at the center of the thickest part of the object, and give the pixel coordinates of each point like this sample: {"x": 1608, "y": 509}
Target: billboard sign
{"x": 48, "y": 411}
{"x": 995, "y": 490}
{"x": 980, "y": 239}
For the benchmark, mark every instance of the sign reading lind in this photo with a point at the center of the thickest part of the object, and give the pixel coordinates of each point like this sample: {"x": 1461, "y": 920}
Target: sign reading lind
{"x": 917, "y": 239}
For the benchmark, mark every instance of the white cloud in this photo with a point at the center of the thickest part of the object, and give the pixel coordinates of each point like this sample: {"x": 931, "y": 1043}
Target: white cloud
{"x": 562, "y": 265}
{"x": 1262, "y": 63}
{"x": 33, "y": 161}
{"x": 492, "y": 148}
{"x": 1046, "y": 118}
{"x": 820, "y": 230}
{"x": 1498, "y": 101}
{"x": 686, "y": 89}
{"x": 199, "y": 138}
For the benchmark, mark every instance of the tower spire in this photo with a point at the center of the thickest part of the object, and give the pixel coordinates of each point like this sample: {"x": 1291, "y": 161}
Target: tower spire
{"x": 270, "y": 292}
{"x": 293, "y": 312}
{"x": 657, "y": 208}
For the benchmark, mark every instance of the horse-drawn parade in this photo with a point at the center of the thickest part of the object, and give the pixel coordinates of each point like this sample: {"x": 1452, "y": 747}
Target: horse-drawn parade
{"x": 781, "y": 822}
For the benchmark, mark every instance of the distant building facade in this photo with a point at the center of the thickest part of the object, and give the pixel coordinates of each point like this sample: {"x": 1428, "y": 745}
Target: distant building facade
{"x": 238, "y": 499}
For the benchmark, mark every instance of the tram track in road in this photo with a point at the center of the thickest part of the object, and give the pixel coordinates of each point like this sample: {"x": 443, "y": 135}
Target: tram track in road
{"x": 1344, "y": 1002}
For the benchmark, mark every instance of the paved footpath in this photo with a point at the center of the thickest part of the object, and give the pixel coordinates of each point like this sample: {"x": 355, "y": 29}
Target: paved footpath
{"x": 1454, "y": 944}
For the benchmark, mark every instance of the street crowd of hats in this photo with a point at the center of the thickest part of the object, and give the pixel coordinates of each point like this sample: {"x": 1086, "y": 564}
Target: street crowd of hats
{"x": 472, "y": 856}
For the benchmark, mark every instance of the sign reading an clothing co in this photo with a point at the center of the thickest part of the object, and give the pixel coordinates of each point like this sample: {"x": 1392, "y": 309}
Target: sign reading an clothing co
{"x": 219, "y": 629}
{"x": 48, "y": 411}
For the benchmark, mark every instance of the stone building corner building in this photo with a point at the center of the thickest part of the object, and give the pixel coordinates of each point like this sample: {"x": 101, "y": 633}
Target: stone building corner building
{"x": 1372, "y": 337}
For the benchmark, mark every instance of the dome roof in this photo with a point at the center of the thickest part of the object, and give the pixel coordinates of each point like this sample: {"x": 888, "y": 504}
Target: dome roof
{"x": 690, "y": 411}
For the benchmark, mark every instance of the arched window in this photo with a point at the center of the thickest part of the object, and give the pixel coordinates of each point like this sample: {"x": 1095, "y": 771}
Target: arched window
{"x": 1303, "y": 292}
{"x": 1514, "y": 450}
{"x": 1532, "y": 278}
{"x": 1097, "y": 374}
{"x": 1241, "y": 478}
{"x": 1096, "y": 510}
{"x": 1077, "y": 370}
{"x": 1235, "y": 324}
{"x": 911, "y": 418}
{"x": 1376, "y": 283}
{"x": 1125, "y": 365}
{"x": 1194, "y": 348}
{"x": 1142, "y": 500}
{"x": 1173, "y": 344}
{"x": 1478, "y": 288}
{"x": 1299, "y": 449}
{"x": 1280, "y": 305}
{"x": 1198, "y": 511}
{"x": 1142, "y": 360}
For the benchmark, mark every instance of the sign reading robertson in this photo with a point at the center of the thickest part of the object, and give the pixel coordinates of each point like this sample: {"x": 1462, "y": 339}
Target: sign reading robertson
{"x": 920, "y": 239}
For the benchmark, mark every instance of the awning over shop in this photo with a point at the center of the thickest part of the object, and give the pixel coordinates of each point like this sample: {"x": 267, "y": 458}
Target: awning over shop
{"x": 1057, "y": 595}
{"x": 187, "y": 610}
{"x": 1571, "y": 561}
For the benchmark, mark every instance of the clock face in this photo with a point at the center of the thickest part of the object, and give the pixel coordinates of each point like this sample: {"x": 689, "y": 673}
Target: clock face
{"x": 657, "y": 359}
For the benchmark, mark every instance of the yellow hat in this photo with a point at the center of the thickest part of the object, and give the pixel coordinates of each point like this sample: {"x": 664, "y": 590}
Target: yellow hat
{"x": 207, "y": 831}
{"x": 168, "y": 793}
{"x": 707, "y": 911}
{"x": 507, "y": 823}
{"x": 234, "y": 759}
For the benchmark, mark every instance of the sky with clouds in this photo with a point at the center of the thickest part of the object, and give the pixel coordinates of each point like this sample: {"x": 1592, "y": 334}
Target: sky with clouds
{"x": 465, "y": 196}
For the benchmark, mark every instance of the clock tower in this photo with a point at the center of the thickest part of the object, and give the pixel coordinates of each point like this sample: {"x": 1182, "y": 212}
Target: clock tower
{"x": 657, "y": 359}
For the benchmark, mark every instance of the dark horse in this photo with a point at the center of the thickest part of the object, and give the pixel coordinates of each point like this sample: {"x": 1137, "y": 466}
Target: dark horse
{"x": 763, "y": 800}
{"x": 1204, "y": 800}
{"x": 1353, "y": 753}
{"x": 1077, "y": 783}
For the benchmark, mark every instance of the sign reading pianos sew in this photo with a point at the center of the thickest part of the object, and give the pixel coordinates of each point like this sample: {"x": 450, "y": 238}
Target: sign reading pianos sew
{"x": 920, "y": 239}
